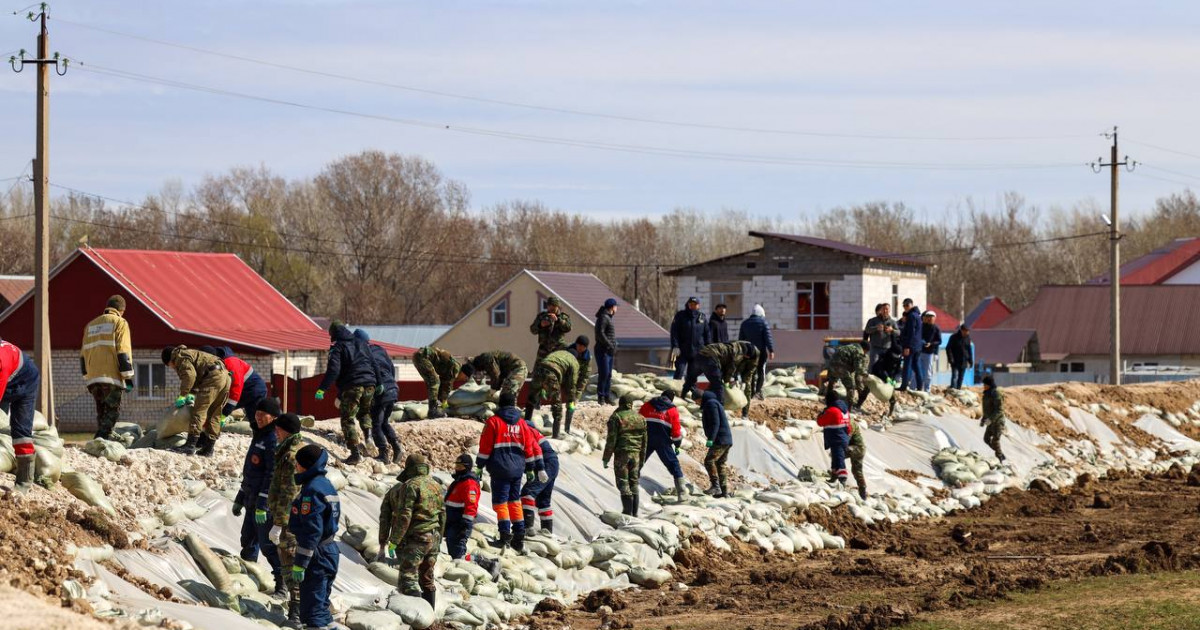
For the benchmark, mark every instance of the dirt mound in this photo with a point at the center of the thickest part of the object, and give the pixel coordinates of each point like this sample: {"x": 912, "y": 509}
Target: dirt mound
{"x": 864, "y": 618}
{"x": 33, "y": 547}
{"x": 603, "y": 597}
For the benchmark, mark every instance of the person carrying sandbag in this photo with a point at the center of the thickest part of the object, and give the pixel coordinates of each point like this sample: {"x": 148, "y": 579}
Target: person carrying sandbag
{"x": 719, "y": 439}
{"x": 203, "y": 384}
{"x": 508, "y": 451}
{"x": 537, "y": 493}
{"x": 438, "y": 368}
{"x": 462, "y": 505}
{"x": 106, "y": 356}
{"x": 993, "y": 415}
{"x": 625, "y": 445}
{"x": 723, "y": 362}
{"x": 835, "y": 428}
{"x": 505, "y": 371}
{"x": 664, "y": 435}
{"x": 282, "y": 493}
{"x": 417, "y": 526}
{"x": 314, "y": 524}
{"x": 386, "y": 395}
{"x": 555, "y": 380}
{"x": 19, "y": 384}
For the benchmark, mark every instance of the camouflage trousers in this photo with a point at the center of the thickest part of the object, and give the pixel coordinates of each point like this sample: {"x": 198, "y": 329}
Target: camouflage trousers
{"x": 108, "y": 406}
{"x": 513, "y": 381}
{"x": 627, "y": 467}
{"x": 857, "y": 451}
{"x": 416, "y": 559}
{"x": 210, "y": 401}
{"x": 437, "y": 384}
{"x": 364, "y": 416}
{"x": 991, "y": 436}
{"x": 287, "y": 557}
{"x": 350, "y": 405}
{"x": 714, "y": 462}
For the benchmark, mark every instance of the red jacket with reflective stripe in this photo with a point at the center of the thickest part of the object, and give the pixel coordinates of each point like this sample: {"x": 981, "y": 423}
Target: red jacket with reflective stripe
{"x": 11, "y": 359}
{"x": 833, "y": 417}
{"x": 239, "y": 371}
{"x": 662, "y": 422}
{"x": 462, "y": 499}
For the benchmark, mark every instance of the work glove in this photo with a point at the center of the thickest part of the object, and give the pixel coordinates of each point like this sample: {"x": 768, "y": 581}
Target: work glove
{"x": 606, "y": 464}
{"x": 479, "y": 471}
{"x": 297, "y": 574}
{"x": 237, "y": 509}
{"x": 260, "y": 517}
{"x": 708, "y": 444}
{"x": 529, "y": 476}
{"x": 180, "y": 402}
{"x": 676, "y": 449}
{"x": 273, "y": 535}
{"x": 391, "y": 551}
{"x": 570, "y": 406}
{"x": 128, "y": 385}
{"x": 320, "y": 394}
{"x": 542, "y": 476}
{"x": 223, "y": 420}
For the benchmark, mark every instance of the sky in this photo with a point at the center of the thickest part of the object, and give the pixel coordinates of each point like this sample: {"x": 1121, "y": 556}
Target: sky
{"x": 781, "y": 109}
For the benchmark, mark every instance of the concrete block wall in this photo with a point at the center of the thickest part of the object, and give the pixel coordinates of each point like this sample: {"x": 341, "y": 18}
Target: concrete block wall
{"x": 688, "y": 286}
{"x": 845, "y": 303}
{"x": 777, "y": 296}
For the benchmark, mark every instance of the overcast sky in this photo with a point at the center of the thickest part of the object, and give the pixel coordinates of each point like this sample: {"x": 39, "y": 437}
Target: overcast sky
{"x": 1062, "y": 72}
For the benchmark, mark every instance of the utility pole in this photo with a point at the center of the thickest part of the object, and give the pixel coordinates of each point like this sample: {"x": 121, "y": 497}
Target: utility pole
{"x": 637, "y": 302}
{"x": 41, "y": 202}
{"x": 1114, "y": 237}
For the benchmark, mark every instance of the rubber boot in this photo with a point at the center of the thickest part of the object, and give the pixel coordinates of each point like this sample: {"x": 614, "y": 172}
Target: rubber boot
{"x": 355, "y": 456}
{"x": 431, "y": 597}
{"x": 294, "y": 610}
{"x": 384, "y": 455}
{"x": 557, "y": 426}
{"x": 25, "y": 466}
{"x": 714, "y": 487}
{"x": 862, "y": 398}
{"x": 626, "y": 505}
{"x": 189, "y": 447}
{"x": 862, "y": 492}
{"x": 504, "y": 541}
{"x": 204, "y": 445}
{"x": 723, "y": 490}
{"x": 633, "y": 504}
{"x": 529, "y": 518}
{"x": 547, "y": 525}
{"x": 679, "y": 491}
{"x": 518, "y": 542}
{"x": 570, "y": 414}
{"x": 435, "y": 410}
{"x": 397, "y": 452}
{"x": 281, "y": 590}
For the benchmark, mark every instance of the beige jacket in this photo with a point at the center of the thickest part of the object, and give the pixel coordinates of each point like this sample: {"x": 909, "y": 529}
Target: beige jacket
{"x": 106, "y": 355}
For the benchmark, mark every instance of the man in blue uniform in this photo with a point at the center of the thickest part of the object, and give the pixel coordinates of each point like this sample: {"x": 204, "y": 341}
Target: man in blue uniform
{"x": 314, "y": 523}
{"x": 256, "y": 482}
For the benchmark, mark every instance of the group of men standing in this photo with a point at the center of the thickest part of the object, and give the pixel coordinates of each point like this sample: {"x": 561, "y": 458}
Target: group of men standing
{"x": 702, "y": 346}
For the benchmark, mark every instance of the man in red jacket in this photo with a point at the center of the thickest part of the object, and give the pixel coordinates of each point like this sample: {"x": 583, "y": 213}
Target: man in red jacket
{"x": 19, "y": 380}
{"x": 462, "y": 504}
{"x": 508, "y": 451}
{"x": 664, "y": 434}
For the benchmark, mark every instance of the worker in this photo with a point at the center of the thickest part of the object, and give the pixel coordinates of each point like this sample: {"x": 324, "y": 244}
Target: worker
{"x": 417, "y": 527}
{"x": 689, "y": 333}
{"x": 606, "y": 350}
{"x": 555, "y": 380}
{"x": 106, "y": 357}
{"x": 993, "y": 415}
{"x": 20, "y": 382}
{"x": 718, "y": 328}
{"x": 246, "y": 387}
{"x": 849, "y": 365}
{"x": 723, "y": 362}
{"x": 462, "y": 505}
{"x": 664, "y": 435}
{"x": 625, "y": 445}
{"x": 718, "y": 439}
{"x": 438, "y": 369}
{"x": 505, "y": 371}
{"x": 757, "y": 331}
{"x": 351, "y": 367}
{"x": 367, "y": 401}
{"x": 583, "y": 356}
{"x": 282, "y": 493}
{"x": 833, "y": 422}
{"x": 856, "y": 450}
{"x": 551, "y": 327}
{"x": 203, "y": 384}
{"x": 536, "y": 494}
{"x": 386, "y": 395}
{"x": 507, "y": 450}
{"x": 255, "y": 490}
{"x": 314, "y": 523}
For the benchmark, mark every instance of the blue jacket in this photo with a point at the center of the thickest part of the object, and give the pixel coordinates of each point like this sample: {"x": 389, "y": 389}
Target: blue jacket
{"x": 718, "y": 329}
{"x": 385, "y": 374}
{"x": 506, "y": 447}
{"x": 350, "y": 363}
{"x": 755, "y": 330}
{"x": 315, "y": 511}
{"x": 257, "y": 469}
{"x": 689, "y": 332}
{"x": 716, "y": 423}
{"x": 659, "y": 429}
{"x": 910, "y": 335}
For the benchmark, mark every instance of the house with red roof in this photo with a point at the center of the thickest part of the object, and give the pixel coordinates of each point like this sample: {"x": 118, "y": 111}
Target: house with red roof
{"x": 990, "y": 311}
{"x": 12, "y": 288}
{"x": 171, "y": 298}
{"x": 1177, "y": 262}
{"x": 501, "y": 321}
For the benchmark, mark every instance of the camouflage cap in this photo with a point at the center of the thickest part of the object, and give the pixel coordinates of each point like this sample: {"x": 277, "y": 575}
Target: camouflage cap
{"x": 415, "y": 459}
{"x": 553, "y": 301}
{"x": 627, "y": 401}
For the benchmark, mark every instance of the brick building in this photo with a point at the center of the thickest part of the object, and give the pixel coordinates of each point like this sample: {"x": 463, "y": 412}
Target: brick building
{"x": 171, "y": 298}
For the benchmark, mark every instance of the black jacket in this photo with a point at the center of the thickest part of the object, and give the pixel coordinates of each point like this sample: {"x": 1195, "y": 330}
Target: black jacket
{"x": 606, "y": 333}
{"x": 718, "y": 330}
{"x": 716, "y": 422}
{"x": 959, "y": 350}
{"x": 350, "y": 363}
{"x": 385, "y": 374}
{"x": 756, "y": 331}
{"x": 689, "y": 332}
{"x": 932, "y": 336}
{"x": 257, "y": 469}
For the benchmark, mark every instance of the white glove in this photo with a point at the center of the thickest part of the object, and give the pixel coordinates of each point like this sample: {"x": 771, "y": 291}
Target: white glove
{"x": 273, "y": 535}
{"x": 543, "y": 477}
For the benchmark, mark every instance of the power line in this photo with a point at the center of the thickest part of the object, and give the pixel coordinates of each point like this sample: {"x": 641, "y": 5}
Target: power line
{"x": 973, "y": 248}
{"x": 563, "y": 110}
{"x": 1165, "y": 170}
{"x": 1165, "y": 149}
{"x": 604, "y": 146}
{"x": 17, "y": 216}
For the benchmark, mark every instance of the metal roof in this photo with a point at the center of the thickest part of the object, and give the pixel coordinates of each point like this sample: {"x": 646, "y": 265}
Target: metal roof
{"x": 1159, "y": 265}
{"x": 409, "y": 336}
{"x": 990, "y": 311}
{"x": 585, "y": 293}
{"x": 1074, "y": 320}
{"x": 847, "y": 248}
{"x": 1002, "y": 346}
{"x": 13, "y": 287}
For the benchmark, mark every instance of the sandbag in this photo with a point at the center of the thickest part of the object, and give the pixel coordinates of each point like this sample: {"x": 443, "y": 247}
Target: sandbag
{"x": 127, "y": 432}
{"x": 389, "y": 574}
{"x": 374, "y": 620}
{"x": 238, "y": 428}
{"x": 336, "y": 478}
{"x": 213, "y": 569}
{"x": 106, "y": 449}
{"x": 413, "y": 611}
{"x": 48, "y": 440}
{"x": 735, "y": 398}
{"x": 468, "y": 396}
{"x": 416, "y": 411}
{"x": 148, "y": 439}
{"x": 879, "y": 389}
{"x": 649, "y": 578}
{"x": 47, "y": 468}
{"x": 262, "y": 575}
{"x": 175, "y": 422}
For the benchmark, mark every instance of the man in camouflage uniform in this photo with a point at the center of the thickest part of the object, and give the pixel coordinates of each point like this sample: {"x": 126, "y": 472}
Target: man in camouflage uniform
{"x": 351, "y": 367}
{"x": 723, "y": 362}
{"x": 282, "y": 493}
{"x": 367, "y": 400}
{"x": 203, "y": 384}
{"x": 106, "y": 358}
{"x": 438, "y": 369}
{"x": 505, "y": 371}
{"x": 584, "y": 357}
{"x": 555, "y": 379}
{"x": 849, "y": 365}
{"x": 993, "y": 415}
{"x": 417, "y": 527}
{"x": 857, "y": 451}
{"x": 551, "y": 327}
{"x": 626, "y": 446}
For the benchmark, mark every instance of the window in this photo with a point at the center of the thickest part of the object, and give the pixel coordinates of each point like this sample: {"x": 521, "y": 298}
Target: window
{"x": 729, "y": 294}
{"x": 895, "y": 300}
{"x": 812, "y": 306}
{"x": 784, "y": 264}
{"x": 1070, "y": 367}
{"x": 751, "y": 265}
{"x": 499, "y": 313}
{"x": 542, "y": 301}
{"x": 299, "y": 373}
{"x": 150, "y": 379}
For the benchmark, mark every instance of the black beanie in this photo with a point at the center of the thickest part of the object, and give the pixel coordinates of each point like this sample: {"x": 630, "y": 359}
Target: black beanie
{"x": 583, "y": 341}
{"x": 269, "y": 406}
{"x": 289, "y": 422}
{"x": 308, "y": 455}
{"x": 468, "y": 370}
{"x": 166, "y": 354}
{"x": 508, "y": 399}
{"x": 466, "y": 460}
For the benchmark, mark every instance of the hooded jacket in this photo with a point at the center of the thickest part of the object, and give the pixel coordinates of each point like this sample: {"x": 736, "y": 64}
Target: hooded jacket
{"x": 385, "y": 374}
{"x": 606, "y": 332}
{"x": 315, "y": 512}
{"x": 716, "y": 422}
{"x": 959, "y": 349}
{"x": 548, "y": 453}
{"x": 350, "y": 363}
{"x": 245, "y": 385}
{"x": 689, "y": 332}
{"x": 662, "y": 422}
{"x": 756, "y": 330}
{"x": 106, "y": 354}
{"x": 931, "y": 335}
{"x": 718, "y": 330}
{"x": 421, "y": 509}
{"x": 462, "y": 497}
{"x": 506, "y": 446}
{"x": 257, "y": 469}
{"x": 910, "y": 334}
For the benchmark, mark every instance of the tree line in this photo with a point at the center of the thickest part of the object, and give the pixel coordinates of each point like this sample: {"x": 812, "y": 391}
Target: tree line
{"x": 390, "y": 239}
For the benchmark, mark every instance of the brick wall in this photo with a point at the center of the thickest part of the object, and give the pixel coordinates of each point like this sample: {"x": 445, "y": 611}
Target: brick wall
{"x": 777, "y": 296}
{"x": 845, "y": 303}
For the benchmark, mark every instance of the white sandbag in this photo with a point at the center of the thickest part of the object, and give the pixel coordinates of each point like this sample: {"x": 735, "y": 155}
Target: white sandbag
{"x": 649, "y": 578}
{"x": 413, "y": 611}
{"x": 238, "y": 428}
{"x": 460, "y": 615}
{"x": 469, "y": 395}
{"x": 209, "y": 563}
{"x": 880, "y": 390}
{"x": 336, "y": 478}
{"x": 374, "y": 620}
{"x": 175, "y": 422}
{"x": 48, "y": 440}
{"x": 782, "y": 542}
{"x": 829, "y": 541}
{"x": 575, "y": 557}
{"x": 106, "y": 449}
{"x": 39, "y": 422}
{"x": 735, "y": 398}
{"x": 47, "y": 468}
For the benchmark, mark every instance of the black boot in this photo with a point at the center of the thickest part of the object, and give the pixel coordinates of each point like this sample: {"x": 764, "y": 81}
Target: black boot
{"x": 529, "y": 518}
{"x": 431, "y": 597}
{"x": 723, "y": 490}
{"x": 24, "y": 472}
{"x": 397, "y": 452}
{"x": 384, "y": 456}
{"x": 626, "y": 504}
{"x": 633, "y": 504}
{"x": 204, "y": 445}
{"x": 862, "y": 492}
{"x": 714, "y": 487}
{"x": 504, "y": 541}
{"x": 518, "y": 541}
{"x": 355, "y": 456}
{"x": 435, "y": 410}
{"x": 189, "y": 447}
{"x": 548, "y": 525}
{"x": 281, "y": 590}
{"x": 294, "y": 610}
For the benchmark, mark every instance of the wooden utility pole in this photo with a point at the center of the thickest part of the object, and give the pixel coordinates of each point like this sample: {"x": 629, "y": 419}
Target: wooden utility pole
{"x": 1114, "y": 237}
{"x": 41, "y": 202}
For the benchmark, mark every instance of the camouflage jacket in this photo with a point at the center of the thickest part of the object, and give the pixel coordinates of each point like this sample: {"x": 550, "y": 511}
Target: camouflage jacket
{"x": 560, "y": 366}
{"x": 993, "y": 405}
{"x": 497, "y": 365}
{"x": 420, "y": 509}
{"x": 283, "y": 480}
{"x": 739, "y": 358}
{"x": 196, "y": 370}
{"x": 442, "y": 361}
{"x": 626, "y": 434}
{"x": 551, "y": 337}
{"x": 850, "y": 358}
{"x": 387, "y": 509}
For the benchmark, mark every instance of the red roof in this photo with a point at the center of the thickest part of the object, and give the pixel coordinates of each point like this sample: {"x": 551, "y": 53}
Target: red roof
{"x": 945, "y": 321}
{"x": 13, "y": 287}
{"x": 1159, "y": 265}
{"x": 990, "y": 311}
{"x": 586, "y": 293}
{"x": 1074, "y": 320}
{"x": 854, "y": 250}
